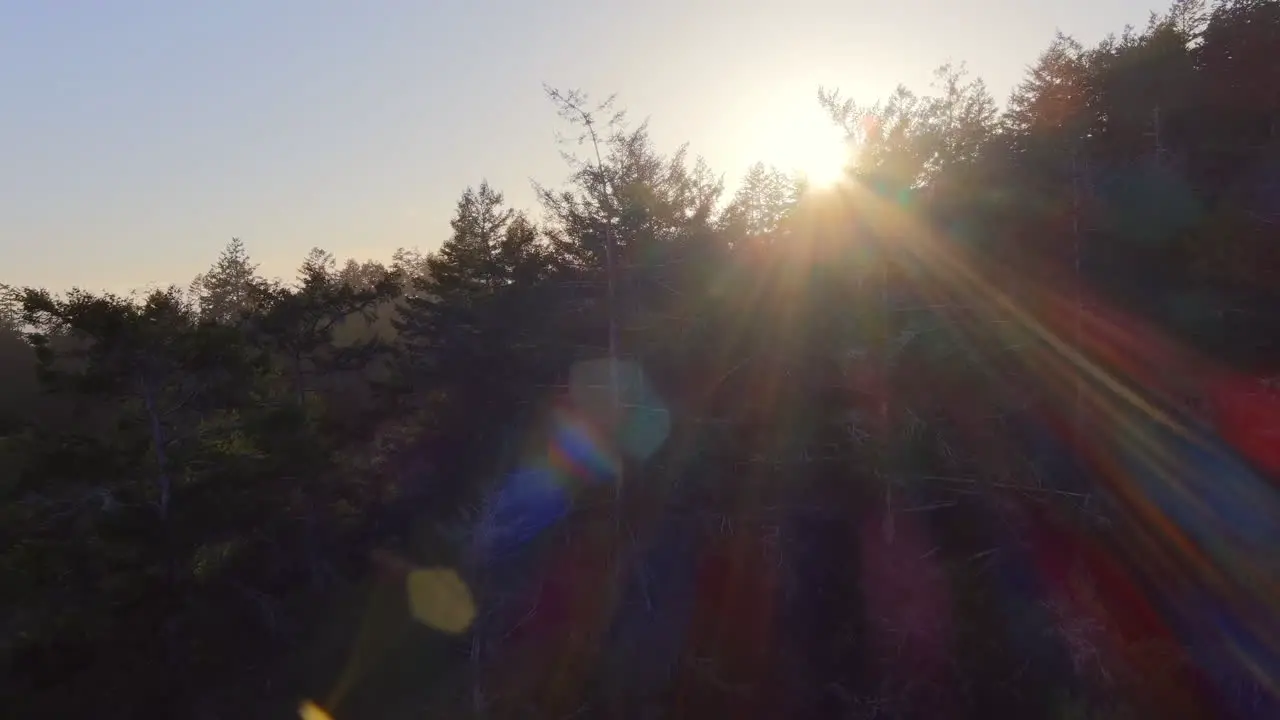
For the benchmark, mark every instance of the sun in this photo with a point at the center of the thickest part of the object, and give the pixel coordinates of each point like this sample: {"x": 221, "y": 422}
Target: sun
{"x": 823, "y": 162}
{"x": 807, "y": 144}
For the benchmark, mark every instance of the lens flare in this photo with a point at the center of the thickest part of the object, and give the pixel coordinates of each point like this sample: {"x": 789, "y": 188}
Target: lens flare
{"x": 440, "y": 599}
{"x": 310, "y": 711}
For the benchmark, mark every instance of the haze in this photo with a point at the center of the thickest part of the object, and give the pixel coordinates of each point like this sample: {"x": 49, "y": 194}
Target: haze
{"x": 140, "y": 136}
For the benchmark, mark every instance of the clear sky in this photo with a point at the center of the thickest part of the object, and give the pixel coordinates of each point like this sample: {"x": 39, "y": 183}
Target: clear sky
{"x": 138, "y": 136}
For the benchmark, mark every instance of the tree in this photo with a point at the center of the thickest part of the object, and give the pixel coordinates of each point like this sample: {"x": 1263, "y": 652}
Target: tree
{"x": 225, "y": 291}
{"x": 142, "y": 353}
{"x": 1052, "y": 102}
{"x": 960, "y": 122}
{"x": 1236, "y": 60}
{"x": 298, "y": 323}
{"x": 461, "y": 324}
{"x": 362, "y": 276}
{"x": 445, "y": 313}
{"x": 409, "y": 264}
{"x": 912, "y": 140}
{"x": 634, "y": 229}
{"x": 10, "y": 308}
{"x": 760, "y": 206}
{"x": 189, "y": 479}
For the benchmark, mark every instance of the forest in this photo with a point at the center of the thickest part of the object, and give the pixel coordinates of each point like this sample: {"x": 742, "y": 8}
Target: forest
{"x": 985, "y": 430}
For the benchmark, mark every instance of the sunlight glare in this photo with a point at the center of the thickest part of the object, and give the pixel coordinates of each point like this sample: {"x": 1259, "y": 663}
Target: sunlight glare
{"x": 310, "y": 711}
{"x": 821, "y": 160}
{"x": 806, "y": 143}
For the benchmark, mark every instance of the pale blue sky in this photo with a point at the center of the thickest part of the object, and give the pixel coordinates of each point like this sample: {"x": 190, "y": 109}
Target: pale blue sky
{"x": 138, "y": 136}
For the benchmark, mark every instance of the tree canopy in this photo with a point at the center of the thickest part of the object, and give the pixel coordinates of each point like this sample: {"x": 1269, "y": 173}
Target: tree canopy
{"x": 980, "y": 431}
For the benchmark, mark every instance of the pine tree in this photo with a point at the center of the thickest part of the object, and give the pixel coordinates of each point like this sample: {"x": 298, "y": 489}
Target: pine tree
{"x": 298, "y": 323}
{"x": 760, "y": 206}
{"x": 225, "y": 291}
{"x": 443, "y": 320}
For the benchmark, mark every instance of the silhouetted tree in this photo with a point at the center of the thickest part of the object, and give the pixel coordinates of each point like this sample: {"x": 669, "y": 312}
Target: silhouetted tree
{"x": 847, "y": 377}
{"x": 225, "y": 291}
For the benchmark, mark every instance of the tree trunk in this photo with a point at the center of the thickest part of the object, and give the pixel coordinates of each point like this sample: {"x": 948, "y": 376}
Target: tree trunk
{"x": 299, "y": 389}
{"x": 157, "y": 446}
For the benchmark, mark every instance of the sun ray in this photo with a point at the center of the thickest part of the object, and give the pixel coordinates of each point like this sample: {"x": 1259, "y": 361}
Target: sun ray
{"x": 805, "y": 144}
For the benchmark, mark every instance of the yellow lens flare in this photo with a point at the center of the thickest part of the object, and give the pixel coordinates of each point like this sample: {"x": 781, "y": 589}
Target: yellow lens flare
{"x": 440, "y": 599}
{"x": 311, "y": 711}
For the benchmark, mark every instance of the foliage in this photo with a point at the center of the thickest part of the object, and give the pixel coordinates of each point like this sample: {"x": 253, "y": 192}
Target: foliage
{"x": 192, "y": 481}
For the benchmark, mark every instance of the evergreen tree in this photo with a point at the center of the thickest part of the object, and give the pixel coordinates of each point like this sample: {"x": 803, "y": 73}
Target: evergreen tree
{"x": 443, "y": 321}
{"x": 225, "y": 291}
